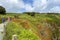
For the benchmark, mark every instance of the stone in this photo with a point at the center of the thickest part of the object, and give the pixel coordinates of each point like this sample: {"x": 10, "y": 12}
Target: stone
{"x": 14, "y": 37}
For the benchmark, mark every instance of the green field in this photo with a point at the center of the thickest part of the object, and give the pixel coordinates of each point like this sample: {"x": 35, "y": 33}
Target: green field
{"x": 44, "y": 20}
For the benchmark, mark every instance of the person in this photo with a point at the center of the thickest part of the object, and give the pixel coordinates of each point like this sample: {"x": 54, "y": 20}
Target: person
{"x": 9, "y": 19}
{"x": 3, "y": 20}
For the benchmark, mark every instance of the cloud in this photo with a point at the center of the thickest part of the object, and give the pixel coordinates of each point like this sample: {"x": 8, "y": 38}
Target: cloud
{"x": 55, "y": 9}
{"x": 31, "y": 5}
{"x": 0, "y": 4}
{"x": 56, "y": 2}
{"x": 39, "y": 5}
{"x": 12, "y": 5}
{"x": 12, "y": 1}
{"x": 16, "y": 6}
{"x": 29, "y": 8}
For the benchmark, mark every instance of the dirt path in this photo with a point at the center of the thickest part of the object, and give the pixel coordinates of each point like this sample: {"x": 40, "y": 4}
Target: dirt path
{"x": 2, "y": 29}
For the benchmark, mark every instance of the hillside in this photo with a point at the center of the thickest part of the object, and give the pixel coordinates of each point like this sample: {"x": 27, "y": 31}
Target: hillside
{"x": 42, "y": 26}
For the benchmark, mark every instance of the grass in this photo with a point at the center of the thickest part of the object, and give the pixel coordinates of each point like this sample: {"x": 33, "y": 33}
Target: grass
{"x": 18, "y": 29}
{"x": 23, "y": 34}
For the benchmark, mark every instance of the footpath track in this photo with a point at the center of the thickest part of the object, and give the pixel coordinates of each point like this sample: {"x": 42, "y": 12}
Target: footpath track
{"x": 2, "y": 30}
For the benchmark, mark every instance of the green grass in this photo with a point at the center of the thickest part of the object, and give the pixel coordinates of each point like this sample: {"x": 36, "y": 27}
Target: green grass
{"x": 22, "y": 33}
{"x": 13, "y": 28}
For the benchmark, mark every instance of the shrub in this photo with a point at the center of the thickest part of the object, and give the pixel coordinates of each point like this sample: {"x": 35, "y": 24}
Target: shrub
{"x": 0, "y": 20}
{"x": 30, "y": 13}
{"x": 2, "y": 10}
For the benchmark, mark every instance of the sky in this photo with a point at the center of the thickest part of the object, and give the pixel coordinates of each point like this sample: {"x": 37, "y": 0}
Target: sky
{"x": 31, "y": 5}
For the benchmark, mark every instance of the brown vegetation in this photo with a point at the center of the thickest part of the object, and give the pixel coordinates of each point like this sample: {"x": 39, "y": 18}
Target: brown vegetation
{"x": 24, "y": 23}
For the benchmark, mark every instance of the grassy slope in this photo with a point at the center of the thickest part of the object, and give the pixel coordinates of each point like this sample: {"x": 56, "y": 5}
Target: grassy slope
{"x": 40, "y": 19}
{"x": 23, "y": 34}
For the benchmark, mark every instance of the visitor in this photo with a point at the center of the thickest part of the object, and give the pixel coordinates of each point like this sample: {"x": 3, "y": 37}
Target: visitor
{"x": 9, "y": 19}
{"x": 3, "y": 20}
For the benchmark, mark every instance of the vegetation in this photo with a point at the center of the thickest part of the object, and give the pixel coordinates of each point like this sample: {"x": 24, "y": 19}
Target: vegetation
{"x": 41, "y": 26}
{"x": 2, "y": 10}
{"x": 30, "y": 13}
{"x": 23, "y": 34}
{"x": 0, "y": 21}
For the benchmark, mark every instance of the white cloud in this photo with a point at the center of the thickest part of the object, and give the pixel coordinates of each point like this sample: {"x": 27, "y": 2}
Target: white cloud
{"x": 55, "y": 9}
{"x": 29, "y": 8}
{"x": 40, "y": 4}
{"x": 16, "y": 3}
{"x": 57, "y": 0}
{"x": 44, "y": 2}
{"x": 54, "y": 2}
{"x": 36, "y": 3}
{"x": 12, "y": 1}
{"x": 11, "y": 4}
{"x": 0, "y": 4}
{"x": 20, "y": 4}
